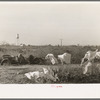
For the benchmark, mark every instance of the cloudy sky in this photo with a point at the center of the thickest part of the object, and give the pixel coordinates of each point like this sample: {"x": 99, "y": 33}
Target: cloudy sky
{"x": 41, "y": 23}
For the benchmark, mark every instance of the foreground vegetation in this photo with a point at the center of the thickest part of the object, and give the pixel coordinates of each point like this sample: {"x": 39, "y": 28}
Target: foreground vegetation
{"x": 71, "y": 73}
{"x": 66, "y": 74}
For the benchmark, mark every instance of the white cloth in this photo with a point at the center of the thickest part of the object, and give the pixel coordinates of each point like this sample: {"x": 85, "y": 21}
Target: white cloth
{"x": 86, "y": 67}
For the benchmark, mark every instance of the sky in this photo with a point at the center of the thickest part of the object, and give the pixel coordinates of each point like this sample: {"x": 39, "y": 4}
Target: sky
{"x": 43, "y": 23}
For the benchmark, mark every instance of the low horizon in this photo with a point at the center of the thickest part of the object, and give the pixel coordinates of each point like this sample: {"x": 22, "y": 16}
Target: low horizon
{"x": 59, "y": 45}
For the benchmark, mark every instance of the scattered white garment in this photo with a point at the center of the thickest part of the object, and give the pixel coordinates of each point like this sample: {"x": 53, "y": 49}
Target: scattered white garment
{"x": 98, "y": 55}
{"x": 35, "y": 74}
{"x": 86, "y": 67}
{"x": 52, "y": 59}
{"x": 66, "y": 57}
{"x": 90, "y": 56}
{"x": 47, "y": 73}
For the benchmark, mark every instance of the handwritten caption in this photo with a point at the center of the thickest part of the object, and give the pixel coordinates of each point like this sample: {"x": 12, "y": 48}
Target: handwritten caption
{"x": 56, "y": 86}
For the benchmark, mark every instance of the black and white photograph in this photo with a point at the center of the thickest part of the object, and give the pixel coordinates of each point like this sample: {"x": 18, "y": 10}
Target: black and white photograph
{"x": 49, "y": 43}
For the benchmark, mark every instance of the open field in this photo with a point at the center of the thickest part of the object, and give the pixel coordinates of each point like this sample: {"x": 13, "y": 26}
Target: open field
{"x": 77, "y": 52}
{"x": 71, "y": 73}
{"x": 67, "y": 74}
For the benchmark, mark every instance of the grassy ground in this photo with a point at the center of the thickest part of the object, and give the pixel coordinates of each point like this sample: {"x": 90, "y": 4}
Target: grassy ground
{"x": 72, "y": 73}
{"x": 77, "y": 52}
{"x": 67, "y": 74}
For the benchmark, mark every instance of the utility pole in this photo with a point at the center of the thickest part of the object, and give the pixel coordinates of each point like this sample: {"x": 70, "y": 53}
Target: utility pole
{"x": 17, "y": 39}
{"x": 61, "y": 41}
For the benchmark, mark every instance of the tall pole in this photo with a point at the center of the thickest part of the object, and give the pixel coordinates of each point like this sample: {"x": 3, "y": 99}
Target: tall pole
{"x": 61, "y": 41}
{"x": 17, "y": 39}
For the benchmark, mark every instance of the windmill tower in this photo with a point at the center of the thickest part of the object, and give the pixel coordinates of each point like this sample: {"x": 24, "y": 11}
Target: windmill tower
{"x": 17, "y": 39}
{"x": 61, "y": 41}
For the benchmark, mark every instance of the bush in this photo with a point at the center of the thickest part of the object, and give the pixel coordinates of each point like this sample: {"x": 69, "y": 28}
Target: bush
{"x": 77, "y": 52}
